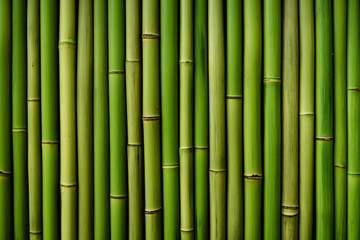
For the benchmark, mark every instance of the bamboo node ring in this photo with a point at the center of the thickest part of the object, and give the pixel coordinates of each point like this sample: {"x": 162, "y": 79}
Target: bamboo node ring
{"x": 150, "y": 36}
{"x": 152, "y": 212}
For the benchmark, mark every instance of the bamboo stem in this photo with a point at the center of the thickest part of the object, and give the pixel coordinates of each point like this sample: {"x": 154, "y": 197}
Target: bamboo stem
{"x": 134, "y": 128}
{"x": 252, "y": 121}
{"x": 117, "y": 121}
{"x": 169, "y": 14}
{"x": 67, "y": 70}
{"x": 306, "y": 119}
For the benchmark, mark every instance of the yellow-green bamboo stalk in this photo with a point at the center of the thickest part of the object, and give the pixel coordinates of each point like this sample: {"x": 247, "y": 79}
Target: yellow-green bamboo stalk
{"x": 6, "y": 213}
{"x": 84, "y": 119}
{"x": 134, "y": 128}
{"x": 34, "y": 126}
{"x": 217, "y": 166}
{"x": 67, "y": 69}
{"x": 306, "y": 119}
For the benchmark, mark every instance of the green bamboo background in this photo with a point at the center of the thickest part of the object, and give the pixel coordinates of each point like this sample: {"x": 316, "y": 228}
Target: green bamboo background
{"x": 183, "y": 119}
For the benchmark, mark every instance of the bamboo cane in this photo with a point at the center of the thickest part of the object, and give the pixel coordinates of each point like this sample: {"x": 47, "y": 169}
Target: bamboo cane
{"x": 353, "y": 111}
{"x": 6, "y": 213}
{"x": 201, "y": 122}
{"x": 133, "y": 101}
{"x": 84, "y": 119}
{"x": 67, "y": 64}
{"x": 340, "y": 127}
{"x": 234, "y": 116}
{"x": 49, "y": 36}
{"x": 169, "y": 14}
{"x": 186, "y": 154}
{"x": 217, "y": 166}
{"x": 34, "y": 124}
{"x": 272, "y": 118}
{"x": 117, "y": 121}
{"x": 306, "y": 119}
{"x": 151, "y": 119}
{"x": 252, "y": 123}
{"x": 19, "y": 120}
{"x": 324, "y": 120}
{"x": 101, "y": 123}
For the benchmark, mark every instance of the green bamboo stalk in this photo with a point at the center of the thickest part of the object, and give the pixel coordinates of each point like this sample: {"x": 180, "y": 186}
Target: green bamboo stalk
{"x": 19, "y": 120}
{"x": 217, "y": 164}
{"x": 117, "y": 121}
{"x": 186, "y": 153}
{"x": 49, "y": 36}
{"x": 252, "y": 119}
{"x": 306, "y": 119}
{"x": 34, "y": 123}
{"x": 67, "y": 69}
{"x": 272, "y": 118}
{"x": 169, "y": 15}
{"x": 133, "y": 101}
{"x": 151, "y": 119}
{"x": 201, "y": 122}
{"x": 353, "y": 111}
{"x": 324, "y": 121}
{"x": 340, "y": 126}
{"x": 234, "y": 116}
{"x": 84, "y": 119}
{"x": 290, "y": 120}
{"x": 6, "y": 207}
{"x": 101, "y": 123}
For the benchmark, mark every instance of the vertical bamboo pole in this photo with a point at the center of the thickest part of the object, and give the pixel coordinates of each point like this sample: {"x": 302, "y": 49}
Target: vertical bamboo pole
{"x": 49, "y": 36}
{"x": 340, "y": 120}
{"x": 101, "y": 123}
{"x": 34, "y": 124}
{"x": 151, "y": 118}
{"x": 217, "y": 166}
{"x": 84, "y": 119}
{"x": 306, "y": 119}
{"x": 234, "y": 116}
{"x": 134, "y": 128}
{"x": 186, "y": 153}
{"x": 353, "y": 111}
{"x": 324, "y": 121}
{"x": 201, "y": 122}
{"x": 19, "y": 120}
{"x": 169, "y": 14}
{"x": 272, "y": 118}
{"x": 117, "y": 121}
{"x": 252, "y": 119}
{"x": 67, "y": 69}
{"x": 6, "y": 213}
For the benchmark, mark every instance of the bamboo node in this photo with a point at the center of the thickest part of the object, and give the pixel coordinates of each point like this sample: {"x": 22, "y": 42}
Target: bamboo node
{"x": 352, "y": 173}
{"x": 339, "y": 166}
{"x": 324, "y": 138}
{"x": 132, "y": 61}
{"x": 150, "y": 36}
{"x": 187, "y": 230}
{"x": 151, "y": 118}
{"x": 306, "y": 114}
{"x": 354, "y": 89}
{"x": 3, "y": 173}
{"x": 33, "y": 100}
{"x": 19, "y": 130}
{"x": 289, "y": 211}
{"x": 253, "y": 176}
{"x": 234, "y": 96}
{"x": 217, "y": 170}
{"x": 272, "y": 80}
{"x": 68, "y": 185}
{"x": 50, "y": 142}
{"x": 67, "y": 42}
{"x": 189, "y": 62}
{"x": 134, "y": 144}
{"x": 201, "y": 147}
{"x": 186, "y": 148}
{"x": 116, "y": 72}
{"x": 35, "y": 232}
{"x": 170, "y": 166}
{"x": 152, "y": 212}
{"x": 119, "y": 196}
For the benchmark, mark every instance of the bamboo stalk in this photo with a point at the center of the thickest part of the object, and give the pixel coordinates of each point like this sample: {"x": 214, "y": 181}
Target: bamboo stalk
{"x": 84, "y": 119}
{"x": 340, "y": 126}
{"x": 101, "y": 123}
{"x": 201, "y": 122}
{"x": 169, "y": 14}
{"x": 117, "y": 121}
{"x": 134, "y": 128}
{"x": 49, "y": 36}
{"x": 324, "y": 121}
{"x": 252, "y": 121}
{"x": 6, "y": 213}
{"x": 217, "y": 166}
{"x": 186, "y": 153}
{"x": 272, "y": 118}
{"x": 67, "y": 70}
{"x": 306, "y": 119}
{"x": 34, "y": 124}
{"x": 234, "y": 116}
{"x": 353, "y": 120}
{"x": 19, "y": 120}
{"x": 151, "y": 119}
